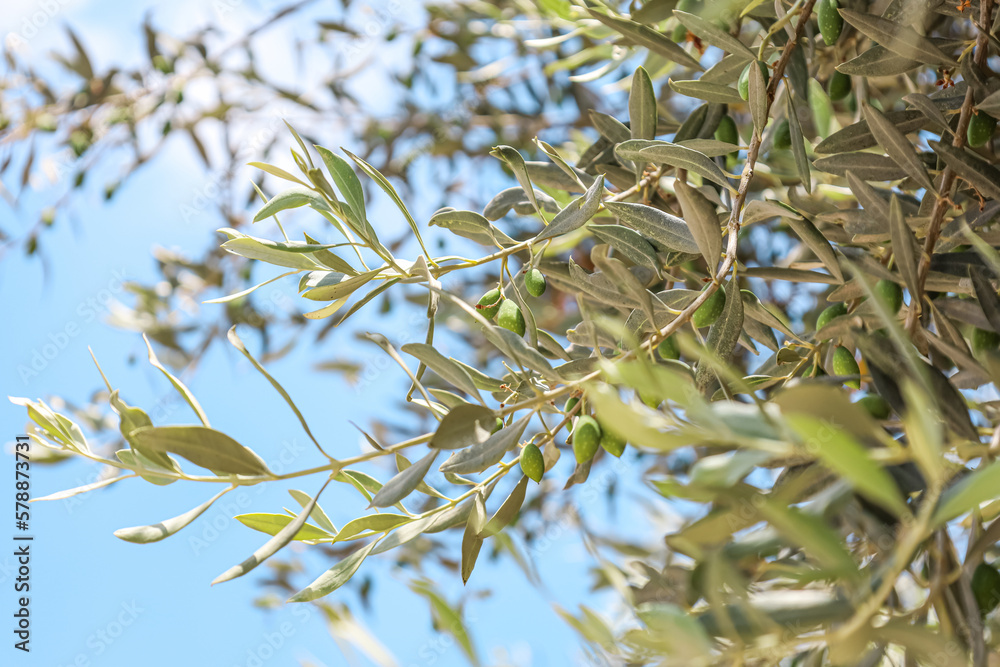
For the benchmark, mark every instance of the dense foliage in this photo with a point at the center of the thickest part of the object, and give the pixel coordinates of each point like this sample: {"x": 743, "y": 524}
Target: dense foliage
{"x": 638, "y": 293}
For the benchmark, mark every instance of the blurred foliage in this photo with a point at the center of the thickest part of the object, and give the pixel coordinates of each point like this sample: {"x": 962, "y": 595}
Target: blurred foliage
{"x": 746, "y": 263}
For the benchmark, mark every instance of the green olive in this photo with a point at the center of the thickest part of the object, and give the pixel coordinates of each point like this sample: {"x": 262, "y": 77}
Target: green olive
{"x": 489, "y": 304}
{"x": 667, "y": 349}
{"x": 844, "y": 363}
{"x": 612, "y": 444}
{"x": 981, "y": 127}
{"x": 831, "y": 23}
{"x": 891, "y": 294}
{"x": 511, "y": 318}
{"x": 836, "y": 310}
{"x": 783, "y": 136}
{"x": 532, "y": 462}
{"x": 709, "y": 312}
{"x": 985, "y": 586}
{"x": 534, "y": 281}
{"x": 838, "y": 86}
{"x": 586, "y": 438}
{"x": 875, "y": 405}
{"x": 726, "y": 130}
{"x": 984, "y": 341}
{"x": 497, "y": 426}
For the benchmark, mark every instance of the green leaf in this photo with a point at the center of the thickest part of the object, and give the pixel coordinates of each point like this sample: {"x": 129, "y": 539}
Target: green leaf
{"x": 253, "y": 248}
{"x": 642, "y": 106}
{"x": 576, "y": 214}
{"x": 703, "y": 222}
{"x": 463, "y": 426}
{"x": 663, "y": 228}
{"x": 629, "y": 243}
{"x": 378, "y": 523}
{"x": 866, "y": 166}
{"x": 346, "y": 181}
{"x": 273, "y": 545}
{"x": 471, "y": 541}
{"x": 166, "y": 528}
{"x": 203, "y": 446}
{"x": 646, "y": 37}
{"x": 757, "y": 97}
{"x": 841, "y": 453}
{"x": 449, "y": 370}
{"x": 335, "y": 577}
{"x": 481, "y": 456}
{"x": 234, "y": 339}
{"x": 812, "y": 534}
{"x": 877, "y": 61}
{"x": 968, "y": 493}
{"x": 798, "y": 144}
{"x": 858, "y": 137}
{"x": 386, "y": 186}
{"x": 714, "y": 35}
{"x": 818, "y": 243}
{"x": 977, "y": 172}
{"x": 293, "y": 197}
{"x": 273, "y": 523}
{"x": 724, "y": 334}
{"x": 900, "y": 39}
{"x": 896, "y": 145}
{"x": 470, "y": 225}
{"x": 403, "y": 483}
{"x": 330, "y": 285}
{"x": 516, "y": 164}
{"x": 709, "y": 91}
{"x": 904, "y": 245}
{"x": 674, "y": 155}
{"x": 317, "y": 514}
{"x": 507, "y": 511}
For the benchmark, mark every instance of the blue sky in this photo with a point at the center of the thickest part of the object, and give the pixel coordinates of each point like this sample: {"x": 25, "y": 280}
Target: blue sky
{"x": 97, "y": 600}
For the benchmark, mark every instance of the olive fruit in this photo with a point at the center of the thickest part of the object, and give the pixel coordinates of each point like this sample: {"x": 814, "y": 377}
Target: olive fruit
{"x": 844, "y": 363}
{"x": 497, "y": 426}
{"x": 511, "y": 318}
{"x": 586, "y": 438}
{"x": 680, "y": 30}
{"x": 875, "y": 405}
{"x": 831, "y": 23}
{"x": 709, "y": 312}
{"x": 489, "y": 304}
{"x": 783, "y": 136}
{"x": 838, "y": 86}
{"x": 984, "y": 341}
{"x": 571, "y": 403}
{"x": 726, "y": 130}
{"x": 891, "y": 294}
{"x": 743, "y": 85}
{"x": 532, "y": 462}
{"x": 836, "y": 310}
{"x": 535, "y": 282}
{"x": 985, "y": 586}
{"x": 612, "y": 444}
{"x": 981, "y": 127}
{"x": 667, "y": 349}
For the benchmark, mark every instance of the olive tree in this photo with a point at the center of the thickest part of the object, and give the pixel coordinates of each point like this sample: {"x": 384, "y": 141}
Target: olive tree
{"x": 637, "y": 292}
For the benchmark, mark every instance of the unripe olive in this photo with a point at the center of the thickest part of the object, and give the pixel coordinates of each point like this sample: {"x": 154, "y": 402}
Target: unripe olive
{"x": 844, "y": 363}
{"x": 511, "y": 318}
{"x": 783, "y": 136}
{"x": 534, "y": 281}
{"x": 612, "y": 444}
{"x": 981, "y": 127}
{"x": 667, "y": 349}
{"x": 890, "y": 293}
{"x": 875, "y": 405}
{"x": 586, "y": 438}
{"x": 831, "y": 23}
{"x": 489, "y": 304}
{"x": 497, "y": 426}
{"x": 709, "y": 312}
{"x": 726, "y": 130}
{"x": 743, "y": 85}
{"x": 985, "y": 586}
{"x": 838, "y": 86}
{"x": 984, "y": 341}
{"x": 532, "y": 462}
{"x": 570, "y": 403}
{"x": 834, "y": 311}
